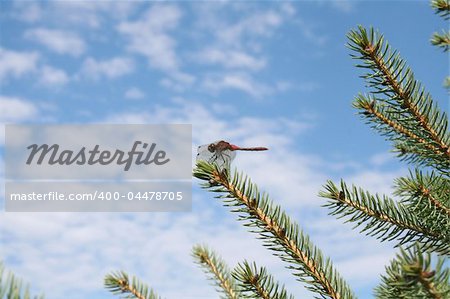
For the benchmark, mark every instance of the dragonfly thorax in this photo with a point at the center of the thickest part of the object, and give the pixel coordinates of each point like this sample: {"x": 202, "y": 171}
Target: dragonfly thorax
{"x": 219, "y": 146}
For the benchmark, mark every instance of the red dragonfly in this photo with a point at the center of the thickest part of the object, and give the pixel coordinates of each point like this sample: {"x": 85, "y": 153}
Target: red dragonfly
{"x": 221, "y": 152}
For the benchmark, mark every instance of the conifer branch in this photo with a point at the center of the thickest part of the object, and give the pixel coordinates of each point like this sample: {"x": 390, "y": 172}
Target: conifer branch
{"x": 441, "y": 7}
{"x": 119, "y": 283}
{"x": 218, "y": 270}
{"x": 376, "y": 112}
{"x": 383, "y": 218}
{"x": 410, "y": 276}
{"x": 441, "y": 40}
{"x": 257, "y": 283}
{"x": 276, "y": 229}
{"x": 405, "y": 103}
{"x": 427, "y": 195}
{"x": 12, "y": 287}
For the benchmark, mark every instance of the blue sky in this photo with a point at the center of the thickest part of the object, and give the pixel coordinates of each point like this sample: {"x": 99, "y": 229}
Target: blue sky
{"x": 273, "y": 74}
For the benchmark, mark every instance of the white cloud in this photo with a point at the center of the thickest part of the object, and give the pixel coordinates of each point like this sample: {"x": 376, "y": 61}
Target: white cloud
{"x": 236, "y": 44}
{"x": 381, "y": 158}
{"x": 310, "y": 33}
{"x": 258, "y": 24}
{"x": 246, "y": 32}
{"x": 16, "y": 64}
{"x": 376, "y": 181}
{"x": 52, "y": 76}
{"x": 14, "y": 110}
{"x": 238, "y": 81}
{"x": 78, "y": 13}
{"x": 149, "y": 36}
{"x": 183, "y": 78}
{"x": 91, "y": 14}
{"x": 366, "y": 267}
{"x": 178, "y": 81}
{"x": 28, "y": 12}
{"x": 59, "y": 41}
{"x": 112, "y": 68}
{"x": 344, "y": 5}
{"x": 288, "y": 9}
{"x": 230, "y": 59}
{"x": 134, "y": 93}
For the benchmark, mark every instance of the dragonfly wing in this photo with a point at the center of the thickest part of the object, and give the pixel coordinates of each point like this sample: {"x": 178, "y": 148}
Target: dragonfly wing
{"x": 226, "y": 156}
{"x": 204, "y": 154}
{"x": 220, "y": 158}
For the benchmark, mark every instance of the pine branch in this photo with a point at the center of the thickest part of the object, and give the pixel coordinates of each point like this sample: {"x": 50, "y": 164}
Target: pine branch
{"x": 276, "y": 229}
{"x": 426, "y": 195}
{"x": 12, "y": 287}
{"x": 383, "y": 218}
{"x": 218, "y": 270}
{"x": 257, "y": 283}
{"x": 119, "y": 283}
{"x": 399, "y": 106}
{"x": 441, "y": 40}
{"x": 380, "y": 114}
{"x": 442, "y": 8}
{"x": 410, "y": 276}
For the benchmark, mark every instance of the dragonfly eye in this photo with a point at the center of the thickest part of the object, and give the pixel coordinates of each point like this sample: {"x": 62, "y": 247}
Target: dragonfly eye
{"x": 212, "y": 147}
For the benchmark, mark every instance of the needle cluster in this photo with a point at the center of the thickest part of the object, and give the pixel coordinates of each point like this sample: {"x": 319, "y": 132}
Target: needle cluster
{"x": 410, "y": 275}
{"x": 218, "y": 271}
{"x": 120, "y": 284}
{"x": 258, "y": 283}
{"x": 12, "y": 287}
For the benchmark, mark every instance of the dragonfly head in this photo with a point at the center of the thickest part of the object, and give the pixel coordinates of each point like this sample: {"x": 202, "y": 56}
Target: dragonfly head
{"x": 212, "y": 147}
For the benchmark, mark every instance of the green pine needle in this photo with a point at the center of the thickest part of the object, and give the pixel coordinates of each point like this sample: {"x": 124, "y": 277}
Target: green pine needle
{"x": 12, "y": 287}
{"x": 383, "y": 218}
{"x": 442, "y": 8}
{"x": 441, "y": 40}
{"x": 218, "y": 271}
{"x": 257, "y": 283}
{"x": 119, "y": 283}
{"x": 428, "y": 196}
{"x": 410, "y": 276}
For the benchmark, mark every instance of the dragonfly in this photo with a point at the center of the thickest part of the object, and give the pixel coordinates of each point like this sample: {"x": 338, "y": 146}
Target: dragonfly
{"x": 221, "y": 152}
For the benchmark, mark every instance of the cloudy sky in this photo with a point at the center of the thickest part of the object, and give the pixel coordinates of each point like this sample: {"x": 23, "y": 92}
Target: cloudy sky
{"x": 273, "y": 74}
